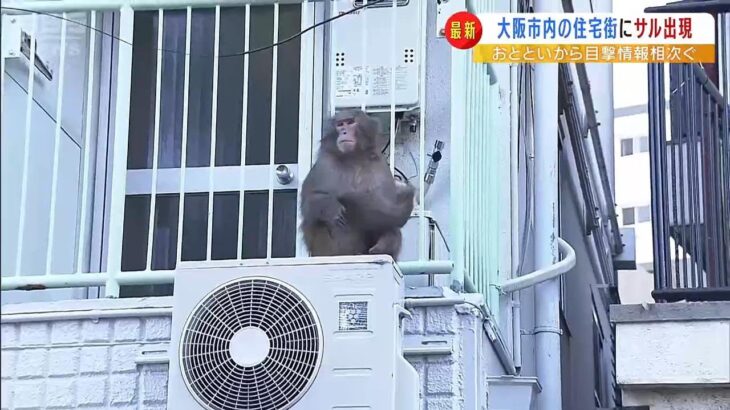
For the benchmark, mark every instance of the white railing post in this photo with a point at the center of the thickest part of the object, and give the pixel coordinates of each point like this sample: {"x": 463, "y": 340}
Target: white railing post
{"x": 272, "y": 135}
{"x": 119, "y": 159}
{"x": 26, "y": 150}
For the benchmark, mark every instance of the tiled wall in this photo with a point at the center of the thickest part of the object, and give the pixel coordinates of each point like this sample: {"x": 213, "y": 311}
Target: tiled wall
{"x": 83, "y": 363}
{"x": 94, "y": 363}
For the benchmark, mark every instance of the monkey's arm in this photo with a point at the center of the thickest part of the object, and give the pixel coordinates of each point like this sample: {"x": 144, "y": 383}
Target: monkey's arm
{"x": 380, "y": 208}
{"x": 319, "y": 201}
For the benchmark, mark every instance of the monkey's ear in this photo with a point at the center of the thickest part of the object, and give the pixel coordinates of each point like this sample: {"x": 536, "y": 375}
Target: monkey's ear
{"x": 372, "y": 126}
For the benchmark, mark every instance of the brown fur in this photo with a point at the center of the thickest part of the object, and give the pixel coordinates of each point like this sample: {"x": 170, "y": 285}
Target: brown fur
{"x": 351, "y": 205}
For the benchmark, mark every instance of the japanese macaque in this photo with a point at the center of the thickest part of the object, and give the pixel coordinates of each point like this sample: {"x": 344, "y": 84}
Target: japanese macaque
{"x": 351, "y": 204}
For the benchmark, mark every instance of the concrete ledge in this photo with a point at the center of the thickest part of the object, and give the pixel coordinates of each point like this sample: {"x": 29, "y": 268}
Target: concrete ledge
{"x": 664, "y": 353}
{"x": 664, "y": 312}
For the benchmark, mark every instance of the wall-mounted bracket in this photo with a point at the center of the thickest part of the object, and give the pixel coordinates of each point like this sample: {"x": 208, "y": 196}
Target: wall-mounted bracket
{"x": 11, "y": 36}
{"x": 16, "y": 42}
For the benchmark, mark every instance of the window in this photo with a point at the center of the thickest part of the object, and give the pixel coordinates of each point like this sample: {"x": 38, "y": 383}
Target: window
{"x": 631, "y": 146}
{"x": 643, "y": 214}
{"x": 230, "y": 159}
{"x": 598, "y": 370}
{"x": 627, "y": 147}
{"x": 628, "y": 216}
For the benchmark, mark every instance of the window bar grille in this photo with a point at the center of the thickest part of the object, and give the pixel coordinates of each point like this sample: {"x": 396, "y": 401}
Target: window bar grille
{"x": 272, "y": 136}
{"x": 244, "y": 126}
{"x": 183, "y": 160}
{"x": 308, "y": 128}
{"x": 155, "y": 138}
{"x": 26, "y": 149}
{"x": 87, "y": 146}
{"x": 119, "y": 163}
{"x": 56, "y": 146}
{"x": 213, "y": 132}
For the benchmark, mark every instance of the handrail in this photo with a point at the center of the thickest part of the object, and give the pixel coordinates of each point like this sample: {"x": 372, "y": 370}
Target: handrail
{"x": 541, "y": 275}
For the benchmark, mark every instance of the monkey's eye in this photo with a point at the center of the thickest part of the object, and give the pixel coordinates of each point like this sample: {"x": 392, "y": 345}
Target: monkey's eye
{"x": 348, "y": 121}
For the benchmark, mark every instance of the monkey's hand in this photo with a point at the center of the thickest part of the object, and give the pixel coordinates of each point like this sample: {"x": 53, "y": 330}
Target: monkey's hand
{"x": 335, "y": 215}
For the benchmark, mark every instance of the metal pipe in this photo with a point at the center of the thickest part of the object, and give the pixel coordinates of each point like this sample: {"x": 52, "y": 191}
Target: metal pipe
{"x": 272, "y": 137}
{"x": 514, "y": 116}
{"x": 244, "y": 133}
{"x": 20, "y": 239}
{"x": 431, "y": 302}
{"x": 184, "y": 153}
{"x": 214, "y": 132}
{"x": 56, "y": 146}
{"x": 72, "y": 280}
{"x": 85, "y": 184}
{"x": 422, "y": 228}
{"x": 544, "y": 274}
{"x": 547, "y": 294}
{"x": 154, "y": 277}
{"x": 119, "y": 162}
{"x": 434, "y": 267}
{"x": 457, "y": 168}
{"x": 155, "y": 138}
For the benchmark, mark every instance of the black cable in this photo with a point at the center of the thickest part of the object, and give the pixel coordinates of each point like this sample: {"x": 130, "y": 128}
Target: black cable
{"x": 240, "y": 53}
{"x": 405, "y": 178}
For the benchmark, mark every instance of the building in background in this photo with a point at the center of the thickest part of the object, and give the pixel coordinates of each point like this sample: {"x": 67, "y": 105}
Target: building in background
{"x": 673, "y": 342}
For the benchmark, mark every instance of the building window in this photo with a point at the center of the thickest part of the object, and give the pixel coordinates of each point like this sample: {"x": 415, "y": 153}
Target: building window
{"x": 627, "y": 147}
{"x": 628, "y": 216}
{"x": 643, "y": 214}
{"x": 598, "y": 370}
{"x": 631, "y": 146}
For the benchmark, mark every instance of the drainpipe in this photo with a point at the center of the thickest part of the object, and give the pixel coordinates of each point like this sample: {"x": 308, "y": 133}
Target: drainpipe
{"x": 547, "y": 294}
{"x": 515, "y": 205}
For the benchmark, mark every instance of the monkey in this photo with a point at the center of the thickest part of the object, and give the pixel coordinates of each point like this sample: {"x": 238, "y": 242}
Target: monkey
{"x": 350, "y": 202}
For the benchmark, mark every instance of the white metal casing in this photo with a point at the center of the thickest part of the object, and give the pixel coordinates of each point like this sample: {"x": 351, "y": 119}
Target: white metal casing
{"x": 356, "y": 83}
{"x": 358, "y": 369}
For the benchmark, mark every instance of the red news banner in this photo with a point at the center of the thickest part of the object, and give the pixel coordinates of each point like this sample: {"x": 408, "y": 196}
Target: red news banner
{"x": 584, "y": 37}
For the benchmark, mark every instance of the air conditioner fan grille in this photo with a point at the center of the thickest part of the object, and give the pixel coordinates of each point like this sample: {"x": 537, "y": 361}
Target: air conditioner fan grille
{"x": 288, "y": 357}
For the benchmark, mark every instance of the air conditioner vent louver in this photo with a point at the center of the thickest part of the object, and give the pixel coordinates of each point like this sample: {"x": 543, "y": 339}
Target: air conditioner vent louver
{"x": 253, "y": 343}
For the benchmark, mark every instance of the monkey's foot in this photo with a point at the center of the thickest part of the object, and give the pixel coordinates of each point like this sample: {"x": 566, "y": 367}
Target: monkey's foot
{"x": 378, "y": 249}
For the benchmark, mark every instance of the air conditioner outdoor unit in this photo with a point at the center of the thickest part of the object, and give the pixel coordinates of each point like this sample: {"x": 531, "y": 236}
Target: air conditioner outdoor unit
{"x": 304, "y": 334}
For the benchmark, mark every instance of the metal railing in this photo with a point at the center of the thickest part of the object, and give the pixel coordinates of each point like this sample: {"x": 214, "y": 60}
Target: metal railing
{"x": 690, "y": 182}
{"x": 480, "y": 176}
{"x": 139, "y": 205}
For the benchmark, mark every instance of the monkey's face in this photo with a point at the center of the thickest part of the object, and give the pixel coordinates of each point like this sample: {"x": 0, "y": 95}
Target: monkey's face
{"x": 347, "y": 135}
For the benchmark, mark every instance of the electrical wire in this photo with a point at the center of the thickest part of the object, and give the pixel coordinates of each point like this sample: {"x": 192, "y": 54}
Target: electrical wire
{"x": 237, "y": 54}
